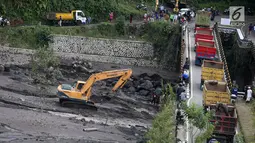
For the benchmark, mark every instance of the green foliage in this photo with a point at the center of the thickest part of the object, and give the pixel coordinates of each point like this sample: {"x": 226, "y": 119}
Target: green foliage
{"x": 106, "y": 29}
{"x": 239, "y": 138}
{"x": 34, "y": 10}
{"x": 43, "y": 59}
{"x": 163, "y": 126}
{"x": 120, "y": 25}
{"x": 201, "y": 121}
{"x": 26, "y": 37}
{"x": 167, "y": 42}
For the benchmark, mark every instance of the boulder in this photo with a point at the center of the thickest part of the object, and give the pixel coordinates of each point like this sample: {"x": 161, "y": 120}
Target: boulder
{"x": 128, "y": 84}
{"x": 156, "y": 77}
{"x": 143, "y": 92}
{"x": 156, "y": 84}
{"x": 147, "y": 78}
{"x": 131, "y": 89}
{"x": 7, "y": 68}
{"x": 1, "y": 68}
{"x": 136, "y": 84}
{"x": 89, "y": 65}
{"x": 146, "y": 85}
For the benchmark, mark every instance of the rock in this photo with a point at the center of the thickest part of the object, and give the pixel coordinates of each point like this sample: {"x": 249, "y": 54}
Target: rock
{"x": 156, "y": 84}
{"x": 146, "y": 85}
{"x": 58, "y": 74}
{"x": 128, "y": 84}
{"x": 7, "y": 68}
{"x": 89, "y": 65}
{"x": 147, "y": 78}
{"x": 131, "y": 89}
{"x": 1, "y": 68}
{"x": 80, "y": 68}
{"x": 143, "y": 92}
{"x": 136, "y": 83}
{"x": 156, "y": 77}
{"x": 89, "y": 129}
{"x": 51, "y": 69}
{"x": 143, "y": 75}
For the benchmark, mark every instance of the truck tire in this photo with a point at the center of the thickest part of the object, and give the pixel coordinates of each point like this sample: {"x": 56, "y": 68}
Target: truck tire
{"x": 78, "y": 23}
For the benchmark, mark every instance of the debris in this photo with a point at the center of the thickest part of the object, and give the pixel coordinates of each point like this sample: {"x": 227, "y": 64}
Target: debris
{"x": 146, "y": 85}
{"x": 1, "y": 68}
{"x": 89, "y": 129}
{"x": 7, "y": 68}
{"x": 131, "y": 89}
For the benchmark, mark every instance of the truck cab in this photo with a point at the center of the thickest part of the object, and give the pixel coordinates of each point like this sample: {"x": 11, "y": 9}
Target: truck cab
{"x": 79, "y": 16}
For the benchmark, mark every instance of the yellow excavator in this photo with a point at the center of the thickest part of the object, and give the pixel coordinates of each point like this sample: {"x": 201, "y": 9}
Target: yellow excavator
{"x": 80, "y": 91}
{"x": 176, "y": 8}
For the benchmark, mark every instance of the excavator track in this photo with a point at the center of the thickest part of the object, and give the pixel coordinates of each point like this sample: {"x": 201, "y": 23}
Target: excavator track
{"x": 78, "y": 104}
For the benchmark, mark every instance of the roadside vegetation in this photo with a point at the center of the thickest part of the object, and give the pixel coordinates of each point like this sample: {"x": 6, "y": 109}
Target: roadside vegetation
{"x": 220, "y": 4}
{"x": 32, "y": 11}
{"x": 163, "y": 36}
{"x": 163, "y": 126}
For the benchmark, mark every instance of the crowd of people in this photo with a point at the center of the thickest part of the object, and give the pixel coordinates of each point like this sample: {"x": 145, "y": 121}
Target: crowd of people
{"x": 166, "y": 16}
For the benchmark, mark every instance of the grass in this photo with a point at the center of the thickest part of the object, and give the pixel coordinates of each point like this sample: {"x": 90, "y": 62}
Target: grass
{"x": 27, "y": 37}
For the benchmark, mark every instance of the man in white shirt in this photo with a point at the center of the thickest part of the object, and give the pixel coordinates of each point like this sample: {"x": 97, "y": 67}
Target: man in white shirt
{"x": 249, "y": 94}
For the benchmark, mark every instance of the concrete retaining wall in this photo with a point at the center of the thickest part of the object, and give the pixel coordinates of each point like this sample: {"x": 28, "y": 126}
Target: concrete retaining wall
{"x": 123, "y": 52}
{"x": 103, "y": 47}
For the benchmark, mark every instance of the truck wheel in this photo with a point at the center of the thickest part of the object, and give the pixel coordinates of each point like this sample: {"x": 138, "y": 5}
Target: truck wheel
{"x": 78, "y": 23}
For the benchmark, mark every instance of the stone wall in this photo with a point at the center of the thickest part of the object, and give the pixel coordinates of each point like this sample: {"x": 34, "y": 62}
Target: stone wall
{"x": 104, "y": 47}
{"x": 123, "y": 52}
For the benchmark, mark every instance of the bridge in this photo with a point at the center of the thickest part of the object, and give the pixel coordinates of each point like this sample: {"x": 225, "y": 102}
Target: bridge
{"x": 194, "y": 93}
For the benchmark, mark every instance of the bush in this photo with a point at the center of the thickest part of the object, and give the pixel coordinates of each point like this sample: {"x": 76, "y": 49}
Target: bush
{"x": 26, "y": 37}
{"x": 106, "y": 29}
{"x": 163, "y": 126}
{"x": 43, "y": 59}
{"x": 43, "y": 38}
{"x": 120, "y": 25}
{"x": 167, "y": 43}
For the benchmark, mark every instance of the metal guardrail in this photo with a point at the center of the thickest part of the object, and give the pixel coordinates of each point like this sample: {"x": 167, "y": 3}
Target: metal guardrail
{"x": 222, "y": 55}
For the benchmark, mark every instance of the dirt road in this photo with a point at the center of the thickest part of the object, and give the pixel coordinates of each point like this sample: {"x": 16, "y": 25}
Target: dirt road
{"x": 31, "y": 113}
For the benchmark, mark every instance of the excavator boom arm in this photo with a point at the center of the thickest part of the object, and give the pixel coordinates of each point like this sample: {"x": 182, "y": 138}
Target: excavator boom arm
{"x": 124, "y": 74}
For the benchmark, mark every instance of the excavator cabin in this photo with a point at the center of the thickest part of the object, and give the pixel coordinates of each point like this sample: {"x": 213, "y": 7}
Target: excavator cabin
{"x": 80, "y": 91}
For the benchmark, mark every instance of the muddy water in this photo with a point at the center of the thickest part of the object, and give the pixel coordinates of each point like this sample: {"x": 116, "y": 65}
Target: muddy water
{"x": 30, "y": 113}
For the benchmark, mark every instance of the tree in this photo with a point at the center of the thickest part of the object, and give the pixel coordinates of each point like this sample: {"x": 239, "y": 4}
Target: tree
{"x": 200, "y": 123}
{"x": 163, "y": 126}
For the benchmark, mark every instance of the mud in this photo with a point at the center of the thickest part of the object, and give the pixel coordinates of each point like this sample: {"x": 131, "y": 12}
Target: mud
{"x": 31, "y": 112}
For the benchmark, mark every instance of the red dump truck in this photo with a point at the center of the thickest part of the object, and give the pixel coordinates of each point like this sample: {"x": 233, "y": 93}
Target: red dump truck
{"x": 205, "y": 50}
{"x": 203, "y": 33}
{"x": 225, "y": 123}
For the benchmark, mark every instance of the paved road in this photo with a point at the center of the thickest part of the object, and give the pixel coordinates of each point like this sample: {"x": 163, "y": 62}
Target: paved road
{"x": 195, "y": 71}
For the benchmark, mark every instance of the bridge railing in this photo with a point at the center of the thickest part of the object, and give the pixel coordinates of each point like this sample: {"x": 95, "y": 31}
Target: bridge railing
{"x": 222, "y": 55}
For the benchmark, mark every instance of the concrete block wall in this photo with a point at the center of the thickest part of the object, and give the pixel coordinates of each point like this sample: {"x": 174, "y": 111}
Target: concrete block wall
{"x": 125, "y": 52}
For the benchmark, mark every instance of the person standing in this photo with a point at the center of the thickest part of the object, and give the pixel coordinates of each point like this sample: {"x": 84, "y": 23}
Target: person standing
{"x": 111, "y": 16}
{"x": 130, "y": 18}
{"x": 250, "y": 28}
{"x": 60, "y": 21}
{"x": 145, "y": 17}
{"x": 249, "y": 95}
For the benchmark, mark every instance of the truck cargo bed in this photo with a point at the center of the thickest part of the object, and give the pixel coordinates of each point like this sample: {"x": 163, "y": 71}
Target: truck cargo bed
{"x": 205, "y": 43}
{"x": 225, "y": 119}
{"x": 212, "y": 70}
{"x": 215, "y": 92}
